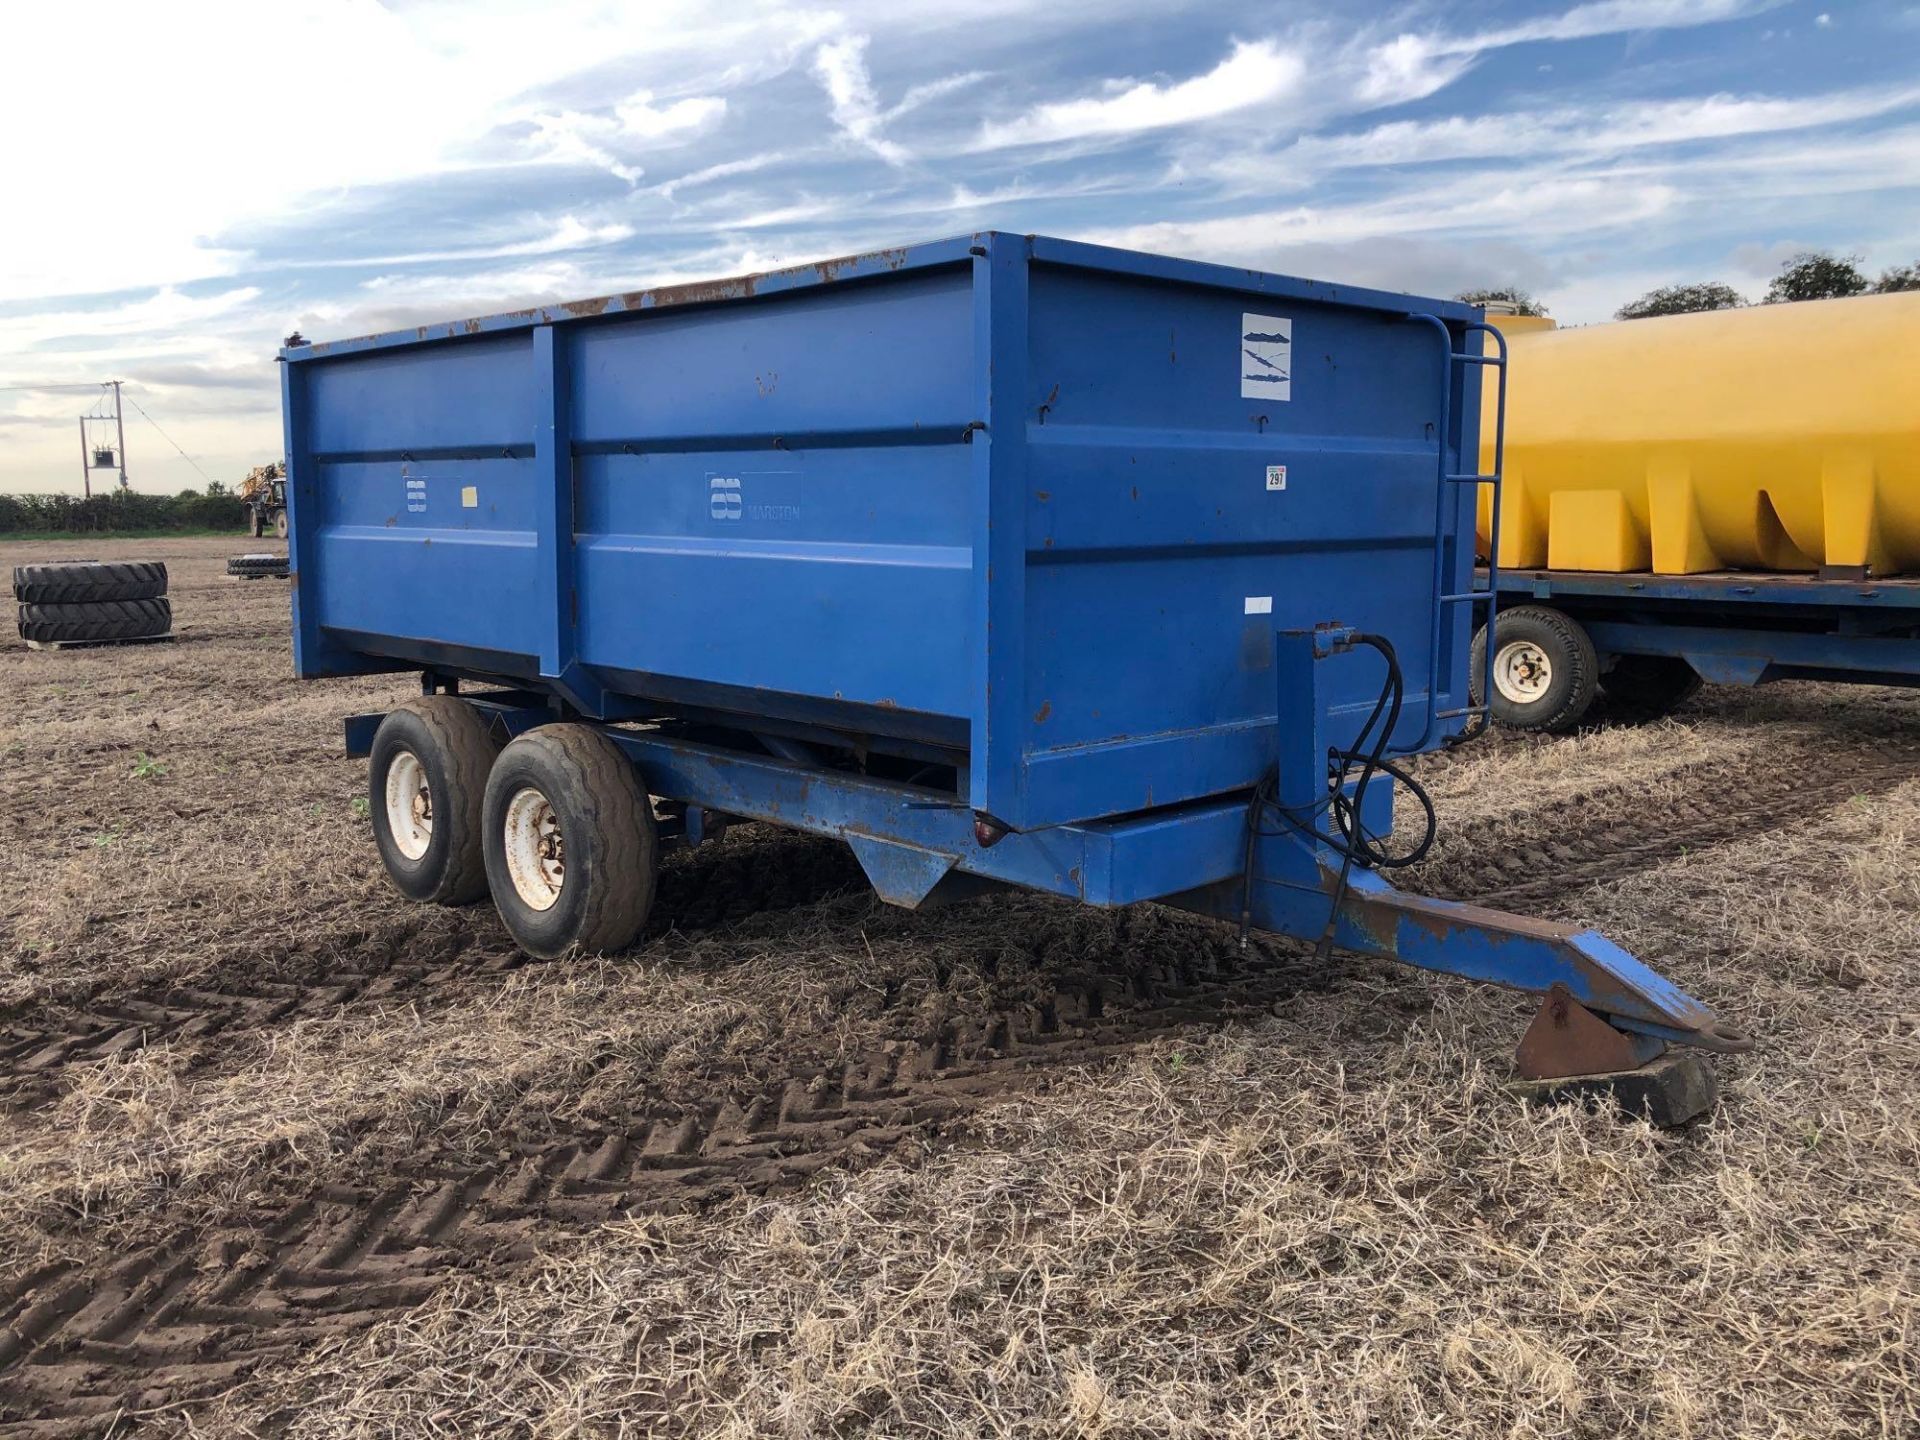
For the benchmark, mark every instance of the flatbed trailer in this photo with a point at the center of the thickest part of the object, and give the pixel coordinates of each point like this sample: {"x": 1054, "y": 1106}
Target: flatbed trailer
{"x": 1648, "y": 641}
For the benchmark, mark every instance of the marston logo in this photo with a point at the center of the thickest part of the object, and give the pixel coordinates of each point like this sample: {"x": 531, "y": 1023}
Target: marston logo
{"x": 1266, "y": 357}
{"x": 723, "y": 497}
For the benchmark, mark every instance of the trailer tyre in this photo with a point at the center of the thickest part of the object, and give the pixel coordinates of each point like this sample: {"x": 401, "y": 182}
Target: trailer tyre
{"x": 571, "y": 846}
{"x": 1545, "y": 670}
{"x": 1645, "y": 687}
{"x": 280, "y": 524}
{"x": 426, "y": 789}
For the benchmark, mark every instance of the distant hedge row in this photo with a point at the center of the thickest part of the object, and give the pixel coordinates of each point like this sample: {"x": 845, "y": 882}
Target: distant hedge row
{"x": 120, "y": 510}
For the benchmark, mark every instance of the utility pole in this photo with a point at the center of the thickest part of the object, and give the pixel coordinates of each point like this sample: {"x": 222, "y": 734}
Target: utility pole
{"x": 120, "y": 429}
{"x": 103, "y": 458}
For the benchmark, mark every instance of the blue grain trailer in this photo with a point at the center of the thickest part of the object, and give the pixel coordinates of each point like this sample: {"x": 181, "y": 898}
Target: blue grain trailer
{"x": 1010, "y": 561}
{"x": 1648, "y": 641}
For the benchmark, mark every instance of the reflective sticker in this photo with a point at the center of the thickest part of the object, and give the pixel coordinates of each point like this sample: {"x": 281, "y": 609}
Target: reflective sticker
{"x": 1259, "y": 604}
{"x": 1266, "y": 357}
{"x": 470, "y": 496}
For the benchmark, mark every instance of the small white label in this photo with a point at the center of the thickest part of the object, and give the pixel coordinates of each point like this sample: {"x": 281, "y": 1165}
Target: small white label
{"x": 1259, "y": 604}
{"x": 470, "y": 496}
{"x": 1266, "y": 357}
{"x": 723, "y": 497}
{"x": 1276, "y": 477}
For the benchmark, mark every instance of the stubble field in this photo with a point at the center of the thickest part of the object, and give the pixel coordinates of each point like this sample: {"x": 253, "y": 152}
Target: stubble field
{"x": 281, "y": 1154}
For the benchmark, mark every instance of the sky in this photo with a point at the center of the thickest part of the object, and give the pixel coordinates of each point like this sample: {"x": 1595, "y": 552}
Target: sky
{"x": 188, "y": 183}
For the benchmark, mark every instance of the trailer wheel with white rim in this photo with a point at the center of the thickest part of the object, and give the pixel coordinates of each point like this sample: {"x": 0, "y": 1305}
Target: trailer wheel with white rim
{"x": 426, "y": 787}
{"x": 571, "y": 847}
{"x": 1545, "y": 670}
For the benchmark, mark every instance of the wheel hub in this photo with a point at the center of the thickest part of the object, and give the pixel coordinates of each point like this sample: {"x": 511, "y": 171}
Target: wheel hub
{"x": 1522, "y": 673}
{"x": 536, "y": 850}
{"x": 409, "y": 805}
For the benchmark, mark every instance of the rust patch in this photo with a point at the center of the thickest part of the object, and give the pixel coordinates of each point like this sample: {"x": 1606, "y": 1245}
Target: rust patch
{"x": 1040, "y": 715}
{"x": 830, "y": 270}
{"x": 595, "y": 306}
{"x": 1042, "y": 495}
{"x": 693, "y": 293}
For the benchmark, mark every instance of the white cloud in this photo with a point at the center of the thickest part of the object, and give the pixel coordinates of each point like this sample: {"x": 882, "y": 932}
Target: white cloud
{"x": 644, "y": 120}
{"x": 1612, "y": 17}
{"x": 165, "y": 309}
{"x": 571, "y": 233}
{"x": 706, "y": 175}
{"x": 1253, "y": 74}
{"x": 1414, "y": 66}
{"x": 841, "y": 66}
{"x": 1538, "y": 206}
{"x": 570, "y": 137}
{"x": 1578, "y": 132}
{"x": 933, "y": 90}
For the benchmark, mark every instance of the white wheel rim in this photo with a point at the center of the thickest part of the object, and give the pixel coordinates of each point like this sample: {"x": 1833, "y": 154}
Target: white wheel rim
{"x": 1522, "y": 673}
{"x": 536, "y": 851}
{"x": 409, "y": 805}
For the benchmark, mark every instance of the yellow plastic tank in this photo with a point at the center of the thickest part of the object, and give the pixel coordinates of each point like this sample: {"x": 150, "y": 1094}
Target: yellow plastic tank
{"x": 1780, "y": 437}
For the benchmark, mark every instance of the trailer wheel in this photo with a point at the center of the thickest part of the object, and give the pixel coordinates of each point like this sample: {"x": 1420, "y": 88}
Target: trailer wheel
{"x": 1645, "y": 687}
{"x": 280, "y": 524}
{"x": 571, "y": 846}
{"x": 255, "y": 526}
{"x": 426, "y": 784}
{"x": 1545, "y": 671}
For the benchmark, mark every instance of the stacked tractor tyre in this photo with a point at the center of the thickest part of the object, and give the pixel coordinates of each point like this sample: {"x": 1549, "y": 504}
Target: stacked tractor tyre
{"x": 92, "y": 602}
{"x": 257, "y": 567}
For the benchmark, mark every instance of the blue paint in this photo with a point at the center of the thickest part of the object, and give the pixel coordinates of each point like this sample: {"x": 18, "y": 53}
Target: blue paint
{"x": 1000, "y": 488}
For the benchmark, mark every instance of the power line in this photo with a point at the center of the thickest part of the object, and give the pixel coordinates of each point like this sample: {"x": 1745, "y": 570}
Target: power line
{"x": 169, "y": 439}
{"x": 75, "y": 385}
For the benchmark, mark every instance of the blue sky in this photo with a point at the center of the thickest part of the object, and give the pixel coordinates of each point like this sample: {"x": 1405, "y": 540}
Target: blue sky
{"x": 188, "y": 183}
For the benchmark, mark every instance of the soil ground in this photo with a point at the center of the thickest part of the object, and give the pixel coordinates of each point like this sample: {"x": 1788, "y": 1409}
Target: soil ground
{"x": 281, "y": 1154}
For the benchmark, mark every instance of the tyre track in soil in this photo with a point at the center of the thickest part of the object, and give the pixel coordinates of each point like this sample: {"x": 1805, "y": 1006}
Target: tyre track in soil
{"x": 1719, "y": 801}
{"x": 203, "y": 1309}
{"x": 402, "y": 961}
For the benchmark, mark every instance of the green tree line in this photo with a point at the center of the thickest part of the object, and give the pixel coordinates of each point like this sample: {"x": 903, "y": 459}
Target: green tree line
{"x": 120, "y": 511}
{"x": 1810, "y": 275}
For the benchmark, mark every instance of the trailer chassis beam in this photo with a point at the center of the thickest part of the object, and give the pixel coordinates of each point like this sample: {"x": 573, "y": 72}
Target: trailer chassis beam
{"x": 1605, "y": 1016}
